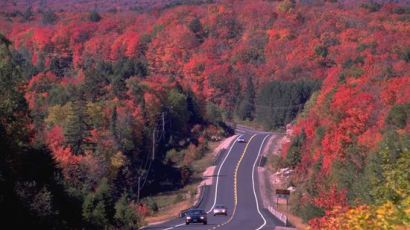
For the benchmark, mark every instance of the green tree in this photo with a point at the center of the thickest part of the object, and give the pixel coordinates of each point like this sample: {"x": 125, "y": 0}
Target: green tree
{"x": 371, "y": 6}
{"x": 28, "y": 14}
{"x": 247, "y": 105}
{"x": 399, "y": 115}
{"x": 13, "y": 107}
{"x": 196, "y": 27}
{"x": 286, "y": 6}
{"x": 294, "y": 155}
{"x": 125, "y": 215}
{"x": 125, "y": 134}
{"x": 95, "y": 205}
{"x": 29, "y": 179}
{"x": 152, "y": 204}
{"x": 94, "y": 86}
{"x": 394, "y": 156}
{"x": 279, "y": 102}
{"x": 179, "y": 114}
{"x": 94, "y": 16}
{"x": 74, "y": 127}
{"x": 321, "y": 50}
{"x": 48, "y": 17}
{"x": 213, "y": 113}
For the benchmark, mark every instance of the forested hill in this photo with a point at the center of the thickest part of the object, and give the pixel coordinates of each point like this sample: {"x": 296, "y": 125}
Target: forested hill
{"x": 107, "y": 95}
{"x": 86, "y": 5}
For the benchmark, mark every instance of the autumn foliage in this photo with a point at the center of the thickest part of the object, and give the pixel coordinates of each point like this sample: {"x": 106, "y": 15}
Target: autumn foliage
{"x": 97, "y": 90}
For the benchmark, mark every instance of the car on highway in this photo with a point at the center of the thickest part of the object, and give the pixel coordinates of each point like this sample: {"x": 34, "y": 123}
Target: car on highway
{"x": 220, "y": 210}
{"x": 241, "y": 139}
{"x": 196, "y": 216}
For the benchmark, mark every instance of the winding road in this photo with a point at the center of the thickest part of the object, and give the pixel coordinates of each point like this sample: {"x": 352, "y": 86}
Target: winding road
{"x": 236, "y": 186}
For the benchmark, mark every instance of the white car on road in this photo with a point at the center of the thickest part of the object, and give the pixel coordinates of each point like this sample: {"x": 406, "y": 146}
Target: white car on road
{"x": 220, "y": 210}
{"x": 241, "y": 139}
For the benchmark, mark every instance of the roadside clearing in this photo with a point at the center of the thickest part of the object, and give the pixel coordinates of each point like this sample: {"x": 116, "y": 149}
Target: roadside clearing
{"x": 270, "y": 180}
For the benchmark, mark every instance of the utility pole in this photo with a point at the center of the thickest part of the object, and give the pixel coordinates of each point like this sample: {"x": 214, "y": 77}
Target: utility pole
{"x": 138, "y": 192}
{"x": 153, "y": 143}
{"x": 163, "y": 123}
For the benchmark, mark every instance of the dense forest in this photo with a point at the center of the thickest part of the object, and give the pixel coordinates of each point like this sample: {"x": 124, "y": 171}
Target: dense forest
{"x": 97, "y": 103}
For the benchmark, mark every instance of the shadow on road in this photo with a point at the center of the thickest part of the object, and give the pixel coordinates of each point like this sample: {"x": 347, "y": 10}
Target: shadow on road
{"x": 222, "y": 175}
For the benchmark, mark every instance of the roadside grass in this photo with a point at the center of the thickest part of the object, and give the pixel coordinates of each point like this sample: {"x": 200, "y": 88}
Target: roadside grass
{"x": 171, "y": 203}
{"x": 199, "y": 166}
{"x": 296, "y": 221}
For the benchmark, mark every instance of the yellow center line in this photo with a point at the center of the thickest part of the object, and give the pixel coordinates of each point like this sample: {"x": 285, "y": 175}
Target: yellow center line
{"x": 235, "y": 187}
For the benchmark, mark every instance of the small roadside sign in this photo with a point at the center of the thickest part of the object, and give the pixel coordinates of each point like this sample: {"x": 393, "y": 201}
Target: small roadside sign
{"x": 282, "y": 192}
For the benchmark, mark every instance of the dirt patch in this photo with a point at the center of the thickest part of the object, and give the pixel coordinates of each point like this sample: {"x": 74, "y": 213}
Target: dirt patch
{"x": 207, "y": 175}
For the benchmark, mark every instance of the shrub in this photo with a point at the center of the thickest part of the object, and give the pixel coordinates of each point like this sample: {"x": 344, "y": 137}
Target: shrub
{"x": 48, "y": 17}
{"x": 321, "y": 50}
{"x": 174, "y": 156}
{"x": 372, "y": 6}
{"x": 125, "y": 215}
{"x": 401, "y": 10}
{"x": 178, "y": 198}
{"x": 306, "y": 210}
{"x": 405, "y": 54}
{"x": 286, "y": 6}
{"x": 293, "y": 156}
{"x": 94, "y": 16}
{"x": 152, "y": 205}
{"x": 398, "y": 116}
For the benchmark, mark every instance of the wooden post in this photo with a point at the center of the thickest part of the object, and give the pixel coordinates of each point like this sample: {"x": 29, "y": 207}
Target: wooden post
{"x": 138, "y": 192}
{"x": 287, "y": 201}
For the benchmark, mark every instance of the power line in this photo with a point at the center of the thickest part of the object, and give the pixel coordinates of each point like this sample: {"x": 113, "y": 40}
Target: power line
{"x": 152, "y": 158}
{"x": 280, "y": 107}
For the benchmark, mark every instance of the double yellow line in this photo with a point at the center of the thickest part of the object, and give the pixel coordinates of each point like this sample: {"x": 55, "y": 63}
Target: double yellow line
{"x": 235, "y": 185}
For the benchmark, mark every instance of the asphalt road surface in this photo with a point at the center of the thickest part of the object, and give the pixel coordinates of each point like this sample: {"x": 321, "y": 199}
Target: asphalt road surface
{"x": 235, "y": 185}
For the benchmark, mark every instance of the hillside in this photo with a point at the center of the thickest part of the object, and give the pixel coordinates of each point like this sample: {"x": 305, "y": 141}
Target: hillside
{"x": 108, "y": 93}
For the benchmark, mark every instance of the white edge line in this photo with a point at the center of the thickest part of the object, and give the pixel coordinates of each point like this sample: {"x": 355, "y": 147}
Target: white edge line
{"x": 253, "y": 183}
{"x": 217, "y": 175}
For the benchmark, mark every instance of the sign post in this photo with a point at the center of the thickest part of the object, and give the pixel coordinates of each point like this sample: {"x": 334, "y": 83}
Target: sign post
{"x": 282, "y": 193}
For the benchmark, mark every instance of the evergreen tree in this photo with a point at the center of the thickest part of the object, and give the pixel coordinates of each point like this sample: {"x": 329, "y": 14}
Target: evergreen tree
{"x": 94, "y": 85}
{"x": 113, "y": 122}
{"x": 294, "y": 155}
{"x": 125, "y": 216}
{"x": 247, "y": 105}
{"x": 13, "y": 107}
{"x": 279, "y": 102}
{"x": 48, "y": 17}
{"x": 28, "y": 14}
{"x": 179, "y": 113}
{"x": 96, "y": 205}
{"x": 94, "y": 16}
{"x": 31, "y": 195}
{"x": 75, "y": 127}
{"x": 196, "y": 27}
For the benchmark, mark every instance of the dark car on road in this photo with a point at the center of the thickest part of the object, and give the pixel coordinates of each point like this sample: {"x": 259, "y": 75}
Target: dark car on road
{"x": 196, "y": 216}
